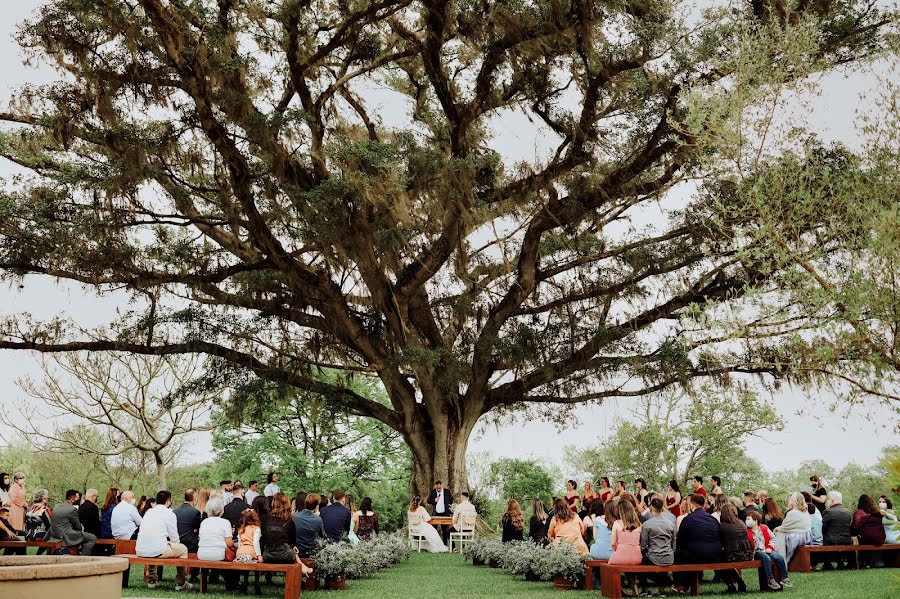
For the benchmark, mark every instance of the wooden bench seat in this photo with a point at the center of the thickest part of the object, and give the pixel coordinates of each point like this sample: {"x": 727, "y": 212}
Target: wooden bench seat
{"x": 589, "y": 566}
{"x": 48, "y": 545}
{"x": 293, "y": 576}
{"x": 802, "y": 560}
{"x": 611, "y": 576}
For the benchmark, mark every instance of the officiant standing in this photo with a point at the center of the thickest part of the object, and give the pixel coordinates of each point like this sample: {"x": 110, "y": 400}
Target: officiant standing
{"x": 440, "y": 500}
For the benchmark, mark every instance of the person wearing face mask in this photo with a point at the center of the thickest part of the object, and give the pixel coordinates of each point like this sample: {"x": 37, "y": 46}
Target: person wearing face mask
{"x": 761, "y": 540}
{"x": 819, "y": 494}
{"x": 125, "y": 519}
{"x": 891, "y": 524}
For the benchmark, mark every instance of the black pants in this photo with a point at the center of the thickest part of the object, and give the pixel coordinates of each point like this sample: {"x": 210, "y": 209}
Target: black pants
{"x": 683, "y": 579}
{"x": 445, "y": 529}
{"x": 660, "y": 579}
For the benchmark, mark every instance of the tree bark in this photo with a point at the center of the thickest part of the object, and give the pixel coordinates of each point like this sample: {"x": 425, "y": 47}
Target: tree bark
{"x": 438, "y": 445}
{"x": 160, "y": 471}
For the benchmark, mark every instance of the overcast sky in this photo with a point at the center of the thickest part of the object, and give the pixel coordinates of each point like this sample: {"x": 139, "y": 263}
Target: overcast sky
{"x": 814, "y": 434}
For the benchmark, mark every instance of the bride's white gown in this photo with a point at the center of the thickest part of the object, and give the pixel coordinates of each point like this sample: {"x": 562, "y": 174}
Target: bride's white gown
{"x": 435, "y": 542}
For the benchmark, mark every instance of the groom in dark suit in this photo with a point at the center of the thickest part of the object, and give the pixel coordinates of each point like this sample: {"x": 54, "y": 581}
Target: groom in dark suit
{"x": 440, "y": 500}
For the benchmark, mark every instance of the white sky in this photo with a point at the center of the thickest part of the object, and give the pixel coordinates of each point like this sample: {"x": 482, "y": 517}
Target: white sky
{"x": 815, "y": 434}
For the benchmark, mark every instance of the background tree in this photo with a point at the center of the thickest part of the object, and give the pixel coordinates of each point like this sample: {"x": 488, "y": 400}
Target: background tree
{"x": 226, "y": 164}
{"x": 522, "y": 480}
{"x": 680, "y": 436}
{"x": 120, "y": 404}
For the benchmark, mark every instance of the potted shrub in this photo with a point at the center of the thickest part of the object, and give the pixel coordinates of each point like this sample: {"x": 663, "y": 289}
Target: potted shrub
{"x": 335, "y": 563}
{"x": 563, "y": 565}
{"x": 473, "y": 551}
{"x": 518, "y": 558}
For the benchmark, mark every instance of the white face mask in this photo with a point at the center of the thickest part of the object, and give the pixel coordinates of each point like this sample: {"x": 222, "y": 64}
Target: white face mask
{"x": 882, "y": 505}
{"x": 749, "y": 522}
{"x": 132, "y": 501}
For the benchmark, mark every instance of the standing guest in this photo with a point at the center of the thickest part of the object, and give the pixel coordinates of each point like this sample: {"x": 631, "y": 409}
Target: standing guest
{"x": 673, "y": 498}
{"x": 867, "y": 523}
{"x": 605, "y": 491}
{"x": 657, "y": 544}
{"x": 225, "y": 487}
{"x": 188, "y": 519}
{"x": 620, "y": 489}
{"x": 736, "y": 545}
{"x": 440, "y": 500}
{"x": 66, "y": 528}
{"x": 539, "y": 523}
{"x": 158, "y": 537}
{"x": 565, "y": 525}
{"x": 308, "y": 526}
{"x": 252, "y": 492}
{"x": 641, "y": 493}
{"x": 125, "y": 519}
{"x": 699, "y": 489}
{"x": 697, "y": 540}
{"x": 37, "y": 518}
{"x": 589, "y": 495}
{"x": 815, "y": 520}
{"x": 763, "y": 550}
{"x": 836, "y": 524}
{"x": 595, "y": 510}
{"x": 235, "y": 507}
{"x": 819, "y": 494}
{"x": 513, "y": 523}
{"x": 106, "y": 510}
{"x": 18, "y": 501}
{"x": 572, "y": 495}
{"x": 626, "y": 540}
{"x": 794, "y": 531}
{"x": 336, "y": 517}
{"x": 772, "y": 515}
{"x": 272, "y": 485}
{"x": 716, "y": 488}
{"x": 89, "y": 513}
{"x": 367, "y": 525}
{"x": 4, "y": 489}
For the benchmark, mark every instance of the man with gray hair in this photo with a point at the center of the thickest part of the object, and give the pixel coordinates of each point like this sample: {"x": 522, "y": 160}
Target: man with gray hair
{"x": 89, "y": 513}
{"x": 836, "y": 522}
{"x": 125, "y": 519}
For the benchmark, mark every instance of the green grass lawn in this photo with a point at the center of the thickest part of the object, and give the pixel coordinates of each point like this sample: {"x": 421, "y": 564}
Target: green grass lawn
{"x": 449, "y": 577}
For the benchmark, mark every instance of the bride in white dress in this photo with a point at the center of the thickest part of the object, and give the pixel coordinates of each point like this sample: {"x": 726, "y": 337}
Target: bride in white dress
{"x": 435, "y": 542}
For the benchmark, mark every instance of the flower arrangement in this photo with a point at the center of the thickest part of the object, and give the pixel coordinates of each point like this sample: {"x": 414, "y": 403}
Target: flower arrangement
{"x": 559, "y": 561}
{"x": 345, "y": 561}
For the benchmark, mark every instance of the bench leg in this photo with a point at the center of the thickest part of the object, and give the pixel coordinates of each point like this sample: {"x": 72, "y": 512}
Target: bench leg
{"x": 588, "y": 579}
{"x": 801, "y": 561}
{"x": 126, "y": 575}
{"x": 892, "y": 558}
{"x": 610, "y": 583}
{"x": 293, "y": 582}
{"x": 203, "y": 573}
{"x": 695, "y": 583}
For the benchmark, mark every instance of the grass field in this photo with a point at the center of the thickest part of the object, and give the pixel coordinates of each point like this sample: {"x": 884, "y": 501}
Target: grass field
{"x": 449, "y": 577}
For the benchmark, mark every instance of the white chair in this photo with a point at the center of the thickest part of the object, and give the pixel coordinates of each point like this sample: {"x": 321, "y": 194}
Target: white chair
{"x": 415, "y": 535}
{"x": 466, "y": 534}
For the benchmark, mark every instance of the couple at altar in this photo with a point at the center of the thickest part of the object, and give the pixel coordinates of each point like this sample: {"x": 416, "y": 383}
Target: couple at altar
{"x": 442, "y": 505}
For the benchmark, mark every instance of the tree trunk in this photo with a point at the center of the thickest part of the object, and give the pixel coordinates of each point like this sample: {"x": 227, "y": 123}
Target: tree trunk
{"x": 160, "y": 471}
{"x": 438, "y": 446}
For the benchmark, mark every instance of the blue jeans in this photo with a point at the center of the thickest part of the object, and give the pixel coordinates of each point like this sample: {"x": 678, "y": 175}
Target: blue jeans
{"x": 767, "y": 559}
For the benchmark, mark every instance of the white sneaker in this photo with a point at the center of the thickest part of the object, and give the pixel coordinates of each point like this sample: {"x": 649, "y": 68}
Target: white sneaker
{"x": 151, "y": 585}
{"x": 184, "y": 587}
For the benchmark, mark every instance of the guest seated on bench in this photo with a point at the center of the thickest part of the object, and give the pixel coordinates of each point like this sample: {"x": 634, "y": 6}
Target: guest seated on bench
{"x": 891, "y": 529}
{"x": 761, "y": 538}
{"x": 158, "y": 537}
{"x": 698, "y": 541}
{"x": 736, "y": 545}
{"x": 657, "y": 544}
{"x": 836, "y": 523}
{"x": 37, "y": 518}
{"x": 868, "y": 526}
{"x": 66, "y": 527}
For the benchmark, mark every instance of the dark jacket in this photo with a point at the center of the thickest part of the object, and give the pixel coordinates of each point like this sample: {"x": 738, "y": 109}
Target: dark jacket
{"x": 276, "y": 532}
{"x": 89, "y": 515}
{"x": 188, "y": 519}
{"x": 336, "y": 521}
{"x": 510, "y": 532}
{"x": 742, "y": 513}
{"x": 308, "y": 529}
{"x": 448, "y": 501}
{"x": 65, "y": 525}
{"x": 836, "y": 522}
{"x": 106, "y": 523}
{"x": 233, "y": 512}
{"x": 869, "y": 528}
{"x": 735, "y": 542}
{"x": 698, "y": 539}
{"x": 537, "y": 530}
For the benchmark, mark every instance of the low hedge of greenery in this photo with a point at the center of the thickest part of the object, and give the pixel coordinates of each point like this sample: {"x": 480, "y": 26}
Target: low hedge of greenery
{"x": 343, "y": 560}
{"x": 524, "y": 558}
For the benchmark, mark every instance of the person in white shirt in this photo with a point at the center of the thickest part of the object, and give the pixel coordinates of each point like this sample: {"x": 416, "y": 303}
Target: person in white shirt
{"x": 125, "y": 518}
{"x": 226, "y": 491}
{"x": 272, "y": 488}
{"x": 463, "y": 508}
{"x": 158, "y": 537}
{"x": 251, "y": 493}
{"x": 215, "y": 533}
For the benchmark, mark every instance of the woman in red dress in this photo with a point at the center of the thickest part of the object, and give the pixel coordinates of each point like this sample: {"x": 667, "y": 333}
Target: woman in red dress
{"x": 605, "y": 493}
{"x": 673, "y": 498}
{"x": 572, "y": 495}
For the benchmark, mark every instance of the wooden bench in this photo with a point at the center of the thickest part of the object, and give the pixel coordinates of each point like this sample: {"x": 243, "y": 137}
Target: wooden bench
{"x": 802, "y": 560}
{"x": 48, "y": 545}
{"x": 293, "y": 576}
{"x": 589, "y": 566}
{"x": 611, "y": 576}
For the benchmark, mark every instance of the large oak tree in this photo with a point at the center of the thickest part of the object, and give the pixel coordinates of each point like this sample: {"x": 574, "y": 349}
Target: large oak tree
{"x": 287, "y": 185}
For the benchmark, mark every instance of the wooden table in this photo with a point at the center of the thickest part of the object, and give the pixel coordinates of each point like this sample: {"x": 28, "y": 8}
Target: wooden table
{"x": 441, "y": 521}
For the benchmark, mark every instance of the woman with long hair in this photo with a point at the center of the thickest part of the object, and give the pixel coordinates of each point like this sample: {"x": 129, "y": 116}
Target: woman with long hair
{"x": 626, "y": 540}
{"x": 367, "y": 525}
{"x": 539, "y": 522}
{"x": 4, "y": 488}
{"x": 109, "y": 502}
{"x": 673, "y": 498}
{"x": 278, "y": 532}
{"x": 867, "y": 522}
{"x": 605, "y": 492}
{"x": 513, "y": 523}
{"x": 418, "y": 518}
{"x": 795, "y": 530}
{"x": 594, "y": 511}
{"x": 572, "y": 497}
{"x": 683, "y": 510}
{"x": 567, "y": 526}
{"x": 299, "y": 501}
{"x": 203, "y": 496}
{"x": 773, "y": 514}
{"x": 589, "y": 495}
{"x": 735, "y": 542}
{"x": 601, "y": 548}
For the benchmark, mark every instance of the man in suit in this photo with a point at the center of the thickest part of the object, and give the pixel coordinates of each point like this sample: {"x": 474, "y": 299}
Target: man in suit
{"x": 188, "y": 520}
{"x": 697, "y": 541}
{"x": 237, "y": 506}
{"x": 336, "y": 517}
{"x": 66, "y": 527}
{"x": 89, "y": 513}
{"x": 440, "y": 500}
{"x": 836, "y": 521}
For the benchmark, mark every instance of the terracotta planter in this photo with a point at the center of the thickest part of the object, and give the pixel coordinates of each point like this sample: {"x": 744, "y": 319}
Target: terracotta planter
{"x": 338, "y": 583}
{"x": 532, "y": 577}
{"x": 477, "y": 562}
{"x": 561, "y": 583}
{"x": 495, "y": 563}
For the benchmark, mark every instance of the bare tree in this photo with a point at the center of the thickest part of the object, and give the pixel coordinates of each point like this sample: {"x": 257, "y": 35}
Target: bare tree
{"x": 138, "y": 403}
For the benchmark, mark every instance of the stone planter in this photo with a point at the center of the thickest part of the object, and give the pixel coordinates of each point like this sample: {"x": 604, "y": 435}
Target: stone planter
{"x": 495, "y": 563}
{"x": 50, "y": 576}
{"x": 561, "y": 583}
{"x": 336, "y": 583}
